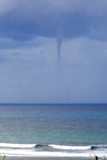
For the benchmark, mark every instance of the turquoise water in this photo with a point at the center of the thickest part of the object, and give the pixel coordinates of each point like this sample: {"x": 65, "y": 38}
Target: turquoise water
{"x": 53, "y": 124}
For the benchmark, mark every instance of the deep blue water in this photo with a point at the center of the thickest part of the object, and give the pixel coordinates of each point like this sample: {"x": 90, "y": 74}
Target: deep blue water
{"x": 54, "y": 124}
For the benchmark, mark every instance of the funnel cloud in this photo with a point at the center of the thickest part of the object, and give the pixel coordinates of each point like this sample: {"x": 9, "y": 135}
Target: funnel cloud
{"x": 59, "y": 44}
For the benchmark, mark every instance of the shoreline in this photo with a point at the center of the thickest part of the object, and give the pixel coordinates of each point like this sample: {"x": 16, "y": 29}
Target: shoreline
{"x": 51, "y": 158}
{"x": 52, "y": 151}
{"x": 56, "y": 155}
{"x": 46, "y": 158}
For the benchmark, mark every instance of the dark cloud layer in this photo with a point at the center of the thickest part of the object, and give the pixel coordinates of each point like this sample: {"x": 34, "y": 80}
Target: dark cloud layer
{"x": 28, "y": 19}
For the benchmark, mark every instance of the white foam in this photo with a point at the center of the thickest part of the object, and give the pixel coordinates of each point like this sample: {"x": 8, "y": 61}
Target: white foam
{"x": 11, "y": 145}
{"x": 71, "y": 147}
{"x": 28, "y": 150}
{"x": 18, "y": 153}
{"x": 41, "y": 154}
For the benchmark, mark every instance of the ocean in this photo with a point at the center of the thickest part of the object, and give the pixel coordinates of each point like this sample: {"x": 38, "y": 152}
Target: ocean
{"x": 53, "y": 130}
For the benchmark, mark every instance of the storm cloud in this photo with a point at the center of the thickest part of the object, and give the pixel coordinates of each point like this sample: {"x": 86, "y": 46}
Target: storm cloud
{"x": 34, "y": 34}
{"x": 24, "y": 19}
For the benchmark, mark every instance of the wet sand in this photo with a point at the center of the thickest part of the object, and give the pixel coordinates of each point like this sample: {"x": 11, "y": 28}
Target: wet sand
{"x": 52, "y": 158}
{"x": 46, "y": 158}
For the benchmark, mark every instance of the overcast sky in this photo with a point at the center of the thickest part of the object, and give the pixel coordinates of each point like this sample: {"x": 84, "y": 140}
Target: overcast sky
{"x": 29, "y": 69}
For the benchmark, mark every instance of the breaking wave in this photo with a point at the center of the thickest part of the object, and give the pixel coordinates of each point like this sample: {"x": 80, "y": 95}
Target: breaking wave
{"x": 52, "y": 150}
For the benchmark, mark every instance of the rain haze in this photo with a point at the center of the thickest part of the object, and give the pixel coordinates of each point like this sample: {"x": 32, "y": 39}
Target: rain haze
{"x": 53, "y": 51}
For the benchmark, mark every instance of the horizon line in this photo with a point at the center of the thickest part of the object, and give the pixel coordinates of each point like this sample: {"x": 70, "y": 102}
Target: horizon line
{"x": 52, "y": 103}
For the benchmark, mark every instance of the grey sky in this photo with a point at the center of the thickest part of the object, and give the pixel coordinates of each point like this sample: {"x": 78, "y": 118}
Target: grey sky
{"x": 29, "y": 69}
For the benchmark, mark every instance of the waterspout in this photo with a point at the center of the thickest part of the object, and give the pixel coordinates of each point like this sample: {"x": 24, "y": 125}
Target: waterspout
{"x": 59, "y": 44}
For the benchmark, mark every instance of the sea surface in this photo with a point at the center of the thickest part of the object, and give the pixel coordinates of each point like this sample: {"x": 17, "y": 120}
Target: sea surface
{"x": 53, "y": 130}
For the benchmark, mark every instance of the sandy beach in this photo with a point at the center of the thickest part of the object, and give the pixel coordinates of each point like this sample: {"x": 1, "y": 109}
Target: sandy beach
{"x": 46, "y": 158}
{"x": 50, "y": 158}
